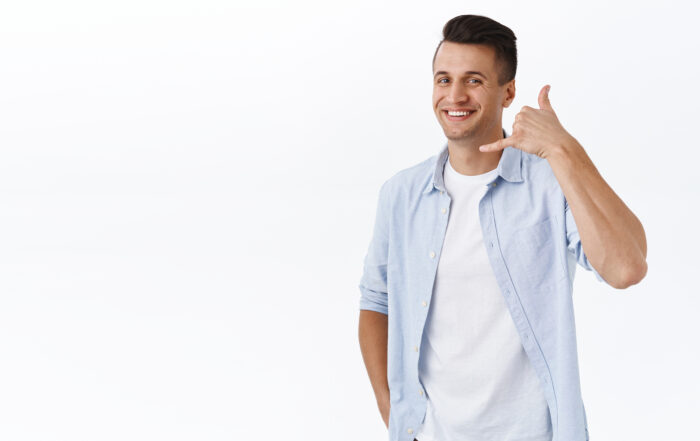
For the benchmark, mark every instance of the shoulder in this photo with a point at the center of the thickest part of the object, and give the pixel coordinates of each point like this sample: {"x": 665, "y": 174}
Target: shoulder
{"x": 541, "y": 183}
{"x": 412, "y": 179}
{"x": 538, "y": 169}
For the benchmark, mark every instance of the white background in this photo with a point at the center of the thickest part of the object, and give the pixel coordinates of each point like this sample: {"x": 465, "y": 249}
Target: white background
{"x": 187, "y": 191}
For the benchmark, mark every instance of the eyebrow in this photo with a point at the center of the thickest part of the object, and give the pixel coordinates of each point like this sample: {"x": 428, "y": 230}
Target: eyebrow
{"x": 469, "y": 72}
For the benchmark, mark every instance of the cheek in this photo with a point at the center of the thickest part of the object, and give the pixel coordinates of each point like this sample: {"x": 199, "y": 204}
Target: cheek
{"x": 437, "y": 96}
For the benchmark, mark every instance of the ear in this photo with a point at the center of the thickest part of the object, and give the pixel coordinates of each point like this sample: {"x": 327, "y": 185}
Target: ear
{"x": 510, "y": 93}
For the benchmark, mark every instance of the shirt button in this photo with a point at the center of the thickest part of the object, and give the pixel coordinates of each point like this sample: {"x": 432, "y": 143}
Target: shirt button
{"x": 410, "y": 430}
{"x": 493, "y": 185}
{"x": 424, "y": 303}
{"x": 491, "y": 244}
{"x": 432, "y": 254}
{"x": 442, "y": 192}
{"x": 420, "y": 391}
{"x": 415, "y": 348}
{"x": 444, "y": 210}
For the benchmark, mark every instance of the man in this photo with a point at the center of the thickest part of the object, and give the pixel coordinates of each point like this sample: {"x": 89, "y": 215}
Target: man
{"x": 466, "y": 322}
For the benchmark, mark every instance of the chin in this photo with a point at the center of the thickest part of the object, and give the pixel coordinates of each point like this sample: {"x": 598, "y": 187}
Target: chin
{"x": 457, "y": 136}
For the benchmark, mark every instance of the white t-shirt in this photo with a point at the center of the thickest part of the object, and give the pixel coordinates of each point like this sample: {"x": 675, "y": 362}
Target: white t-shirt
{"x": 478, "y": 380}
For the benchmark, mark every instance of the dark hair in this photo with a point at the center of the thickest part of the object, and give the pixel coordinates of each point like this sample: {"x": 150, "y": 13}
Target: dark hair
{"x": 477, "y": 29}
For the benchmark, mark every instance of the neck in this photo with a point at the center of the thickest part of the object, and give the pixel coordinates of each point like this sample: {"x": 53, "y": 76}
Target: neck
{"x": 466, "y": 158}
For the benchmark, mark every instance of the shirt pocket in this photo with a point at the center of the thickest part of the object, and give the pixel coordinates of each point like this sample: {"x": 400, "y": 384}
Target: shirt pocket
{"x": 539, "y": 264}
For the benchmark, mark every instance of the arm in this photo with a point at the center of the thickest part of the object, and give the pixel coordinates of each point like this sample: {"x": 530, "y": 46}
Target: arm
{"x": 613, "y": 237}
{"x": 374, "y": 305}
{"x": 373, "y": 344}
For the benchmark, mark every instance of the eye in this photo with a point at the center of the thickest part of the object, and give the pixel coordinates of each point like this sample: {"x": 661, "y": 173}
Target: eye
{"x": 471, "y": 79}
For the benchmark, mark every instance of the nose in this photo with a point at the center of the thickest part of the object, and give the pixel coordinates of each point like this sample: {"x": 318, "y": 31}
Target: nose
{"x": 458, "y": 93}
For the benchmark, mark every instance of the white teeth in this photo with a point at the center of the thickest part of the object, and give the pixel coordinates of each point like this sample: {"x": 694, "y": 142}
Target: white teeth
{"x": 458, "y": 113}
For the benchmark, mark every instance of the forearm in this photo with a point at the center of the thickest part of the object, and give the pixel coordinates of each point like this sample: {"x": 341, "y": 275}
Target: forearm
{"x": 373, "y": 336}
{"x": 613, "y": 238}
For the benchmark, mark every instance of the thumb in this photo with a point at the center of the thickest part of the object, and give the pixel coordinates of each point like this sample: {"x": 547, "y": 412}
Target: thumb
{"x": 543, "y": 98}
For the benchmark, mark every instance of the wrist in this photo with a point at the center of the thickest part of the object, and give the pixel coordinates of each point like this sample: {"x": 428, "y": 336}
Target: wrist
{"x": 564, "y": 150}
{"x": 383, "y": 396}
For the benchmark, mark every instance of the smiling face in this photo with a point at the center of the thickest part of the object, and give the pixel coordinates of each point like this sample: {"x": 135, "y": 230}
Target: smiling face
{"x": 466, "y": 79}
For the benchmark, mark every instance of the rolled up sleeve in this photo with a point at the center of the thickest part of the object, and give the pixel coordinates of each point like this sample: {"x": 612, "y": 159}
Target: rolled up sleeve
{"x": 574, "y": 243}
{"x": 373, "y": 284}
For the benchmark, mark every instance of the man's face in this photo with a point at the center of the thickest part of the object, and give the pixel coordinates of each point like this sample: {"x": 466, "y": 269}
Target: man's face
{"x": 466, "y": 78}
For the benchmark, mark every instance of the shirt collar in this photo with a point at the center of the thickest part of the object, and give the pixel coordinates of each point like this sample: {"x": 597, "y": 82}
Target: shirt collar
{"x": 509, "y": 167}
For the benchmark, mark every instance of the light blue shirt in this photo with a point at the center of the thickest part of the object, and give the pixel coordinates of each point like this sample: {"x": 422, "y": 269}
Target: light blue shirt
{"x": 533, "y": 246}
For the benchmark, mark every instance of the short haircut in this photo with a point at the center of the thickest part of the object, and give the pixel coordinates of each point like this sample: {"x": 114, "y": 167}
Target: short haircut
{"x": 477, "y": 29}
